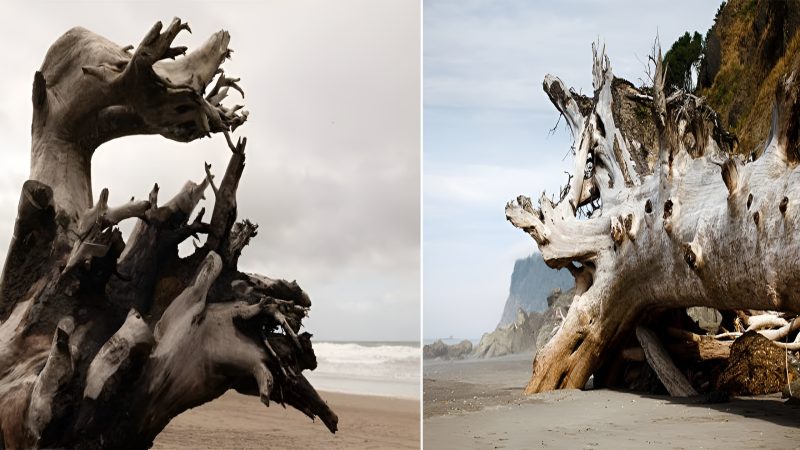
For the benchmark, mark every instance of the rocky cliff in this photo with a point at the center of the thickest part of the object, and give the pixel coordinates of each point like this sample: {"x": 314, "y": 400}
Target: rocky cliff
{"x": 531, "y": 283}
{"x": 529, "y": 331}
{"x": 748, "y": 49}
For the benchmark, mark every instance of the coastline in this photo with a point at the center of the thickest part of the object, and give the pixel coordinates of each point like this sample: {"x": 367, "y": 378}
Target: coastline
{"x": 238, "y": 421}
{"x": 372, "y": 368}
{"x": 369, "y": 387}
{"x": 479, "y": 404}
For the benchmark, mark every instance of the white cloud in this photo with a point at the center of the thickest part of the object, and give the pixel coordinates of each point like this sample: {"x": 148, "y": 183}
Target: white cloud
{"x": 332, "y": 173}
{"x": 485, "y": 186}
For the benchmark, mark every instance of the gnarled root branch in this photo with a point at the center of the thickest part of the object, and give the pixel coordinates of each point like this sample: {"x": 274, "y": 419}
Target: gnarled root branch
{"x": 102, "y": 340}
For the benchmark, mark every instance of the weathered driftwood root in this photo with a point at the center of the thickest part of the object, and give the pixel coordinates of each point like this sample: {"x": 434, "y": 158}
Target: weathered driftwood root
{"x": 104, "y": 340}
{"x": 674, "y": 220}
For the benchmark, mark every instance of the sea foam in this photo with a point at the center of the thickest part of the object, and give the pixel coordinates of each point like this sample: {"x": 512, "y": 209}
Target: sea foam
{"x": 369, "y": 368}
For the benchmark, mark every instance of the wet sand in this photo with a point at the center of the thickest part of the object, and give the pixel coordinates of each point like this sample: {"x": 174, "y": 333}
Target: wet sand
{"x": 235, "y": 421}
{"x": 478, "y": 404}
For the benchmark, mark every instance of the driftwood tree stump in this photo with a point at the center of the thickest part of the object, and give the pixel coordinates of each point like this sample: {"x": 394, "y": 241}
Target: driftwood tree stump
{"x": 675, "y": 219}
{"x": 103, "y": 341}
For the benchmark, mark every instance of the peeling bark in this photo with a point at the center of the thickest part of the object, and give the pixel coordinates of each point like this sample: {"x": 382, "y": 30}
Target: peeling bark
{"x": 102, "y": 340}
{"x": 694, "y": 226}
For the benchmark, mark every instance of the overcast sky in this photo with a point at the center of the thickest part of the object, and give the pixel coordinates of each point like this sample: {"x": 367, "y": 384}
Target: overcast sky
{"x": 332, "y": 174}
{"x": 486, "y": 129}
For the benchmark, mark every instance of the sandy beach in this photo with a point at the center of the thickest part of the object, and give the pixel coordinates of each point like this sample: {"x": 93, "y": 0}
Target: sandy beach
{"x": 479, "y": 404}
{"x": 235, "y": 421}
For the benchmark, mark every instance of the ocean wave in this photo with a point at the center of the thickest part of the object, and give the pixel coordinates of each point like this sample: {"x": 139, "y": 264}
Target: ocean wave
{"x": 372, "y": 361}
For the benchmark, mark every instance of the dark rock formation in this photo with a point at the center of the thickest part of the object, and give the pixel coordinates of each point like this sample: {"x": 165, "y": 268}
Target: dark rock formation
{"x": 435, "y": 350}
{"x": 441, "y": 350}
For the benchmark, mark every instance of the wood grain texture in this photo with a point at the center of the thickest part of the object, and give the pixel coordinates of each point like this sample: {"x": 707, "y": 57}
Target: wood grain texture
{"x": 104, "y": 340}
{"x": 662, "y": 220}
{"x": 659, "y": 360}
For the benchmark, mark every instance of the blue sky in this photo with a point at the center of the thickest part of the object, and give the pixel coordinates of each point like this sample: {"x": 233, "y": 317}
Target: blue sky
{"x": 486, "y": 124}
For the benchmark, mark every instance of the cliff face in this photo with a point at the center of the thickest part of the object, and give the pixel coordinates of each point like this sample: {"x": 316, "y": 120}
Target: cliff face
{"x": 529, "y": 331}
{"x": 748, "y": 49}
{"x": 537, "y": 300}
{"x": 531, "y": 282}
{"x": 516, "y": 337}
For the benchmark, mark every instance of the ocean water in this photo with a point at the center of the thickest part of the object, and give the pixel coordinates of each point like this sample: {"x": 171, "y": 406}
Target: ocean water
{"x": 390, "y": 369}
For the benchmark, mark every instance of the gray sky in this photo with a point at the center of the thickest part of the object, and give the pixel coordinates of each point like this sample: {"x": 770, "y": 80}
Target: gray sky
{"x": 486, "y": 129}
{"x": 332, "y": 173}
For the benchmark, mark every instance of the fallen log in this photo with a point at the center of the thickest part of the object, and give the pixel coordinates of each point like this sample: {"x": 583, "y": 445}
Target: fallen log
{"x": 675, "y": 219}
{"x": 694, "y": 347}
{"x": 659, "y": 360}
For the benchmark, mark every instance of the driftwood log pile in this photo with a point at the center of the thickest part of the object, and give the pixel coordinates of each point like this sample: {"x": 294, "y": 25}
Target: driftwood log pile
{"x": 102, "y": 339}
{"x": 660, "y": 214}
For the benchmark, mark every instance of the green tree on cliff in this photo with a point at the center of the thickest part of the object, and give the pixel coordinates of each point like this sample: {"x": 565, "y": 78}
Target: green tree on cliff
{"x": 684, "y": 55}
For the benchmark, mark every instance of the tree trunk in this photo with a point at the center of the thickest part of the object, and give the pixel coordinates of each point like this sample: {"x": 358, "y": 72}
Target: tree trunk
{"x": 674, "y": 218}
{"x": 103, "y": 341}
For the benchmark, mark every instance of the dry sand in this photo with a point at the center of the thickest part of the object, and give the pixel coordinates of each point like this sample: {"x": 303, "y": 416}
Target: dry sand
{"x": 235, "y": 421}
{"x": 478, "y": 404}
